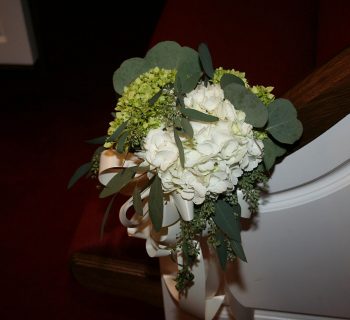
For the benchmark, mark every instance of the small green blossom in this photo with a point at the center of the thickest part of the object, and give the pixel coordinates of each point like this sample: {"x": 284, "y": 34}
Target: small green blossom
{"x": 260, "y": 135}
{"x": 219, "y": 72}
{"x": 263, "y": 93}
{"x": 134, "y": 106}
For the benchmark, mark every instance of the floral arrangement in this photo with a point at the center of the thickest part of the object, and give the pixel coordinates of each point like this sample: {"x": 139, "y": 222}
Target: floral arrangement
{"x": 201, "y": 133}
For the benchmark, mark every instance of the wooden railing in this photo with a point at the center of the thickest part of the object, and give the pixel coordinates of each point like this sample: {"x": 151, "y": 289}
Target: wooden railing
{"x": 323, "y": 98}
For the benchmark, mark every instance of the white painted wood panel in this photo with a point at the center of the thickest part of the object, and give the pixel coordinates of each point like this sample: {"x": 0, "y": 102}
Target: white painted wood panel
{"x": 298, "y": 254}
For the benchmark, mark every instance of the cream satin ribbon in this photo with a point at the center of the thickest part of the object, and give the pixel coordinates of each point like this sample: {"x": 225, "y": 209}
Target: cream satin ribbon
{"x": 202, "y": 299}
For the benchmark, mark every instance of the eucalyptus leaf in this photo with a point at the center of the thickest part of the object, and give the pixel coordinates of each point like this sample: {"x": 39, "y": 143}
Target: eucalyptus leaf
{"x": 142, "y": 169}
{"x": 98, "y": 151}
{"x": 271, "y": 152}
{"x": 137, "y": 201}
{"x": 105, "y": 216}
{"x": 156, "y": 203}
{"x": 189, "y": 60}
{"x": 121, "y": 142}
{"x": 188, "y": 71}
{"x": 165, "y": 55}
{"x": 180, "y": 148}
{"x": 238, "y": 250}
{"x": 205, "y": 58}
{"x": 283, "y": 124}
{"x": 128, "y": 71}
{"x": 170, "y": 55}
{"x": 196, "y": 115}
{"x": 118, "y": 182}
{"x": 81, "y": 171}
{"x": 187, "y": 127}
{"x": 221, "y": 249}
{"x": 99, "y": 140}
{"x": 117, "y": 132}
{"x": 181, "y": 101}
{"x": 185, "y": 81}
{"x": 177, "y": 123}
{"x": 227, "y": 219}
{"x": 178, "y": 86}
{"x": 243, "y": 99}
{"x": 228, "y": 78}
{"x": 154, "y": 99}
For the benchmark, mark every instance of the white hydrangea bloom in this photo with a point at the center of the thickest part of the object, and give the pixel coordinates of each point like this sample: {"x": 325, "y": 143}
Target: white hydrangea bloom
{"x": 218, "y": 155}
{"x": 161, "y": 148}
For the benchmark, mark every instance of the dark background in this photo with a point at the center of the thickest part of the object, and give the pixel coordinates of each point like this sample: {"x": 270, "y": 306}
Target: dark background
{"x": 46, "y": 113}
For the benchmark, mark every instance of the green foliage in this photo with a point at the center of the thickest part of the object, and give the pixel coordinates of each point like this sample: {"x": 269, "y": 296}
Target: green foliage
{"x": 118, "y": 182}
{"x": 191, "y": 230}
{"x": 137, "y": 201}
{"x": 205, "y": 58}
{"x": 283, "y": 124}
{"x": 154, "y": 99}
{"x": 118, "y": 131}
{"x": 184, "y": 279}
{"x": 121, "y": 142}
{"x": 80, "y": 172}
{"x": 95, "y": 162}
{"x": 252, "y": 183}
{"x": 238, "y": 250}
{"x": 196, "y": 115}
{"x": 229, "y": 78}
{"x": 226, "y": 217}
{"x": 128, "y": 71}
{"x": 243, "y": 99}
{"x": 187, "y": 127}
{"x": 271, "y": 152}
{"x": 156, "y": 203}
{"x": 98, "y": 140}
{"x": 166, "y": 55}
{"x": 180, "y": 148}
{"x": 221, "y": 249}
{"x": 186, "y": 81}
{"x": 263, "y": 93}
{"x": 220, "y": 72}
{"x": 188, "y": 71}
{"x": 143, "y": 107}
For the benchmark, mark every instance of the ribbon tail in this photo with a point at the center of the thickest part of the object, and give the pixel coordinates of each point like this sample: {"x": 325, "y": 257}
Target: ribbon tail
{"x": 212, "y": 306}
{"x": 185, "y": 207}
{"x": 201, "y": 300}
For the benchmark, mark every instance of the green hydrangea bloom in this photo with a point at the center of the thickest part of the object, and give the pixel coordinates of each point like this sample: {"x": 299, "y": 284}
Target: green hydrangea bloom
{"x": 264, "y": 94}
{"x": 219, "y": 72}
{"x": 134, "y": 106}
{"x": 260, "y": 135}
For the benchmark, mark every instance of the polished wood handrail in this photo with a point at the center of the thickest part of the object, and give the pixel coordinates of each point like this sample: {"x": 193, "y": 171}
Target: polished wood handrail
{"x": 121, "y": 277}
{"x": 323, "y": 98}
